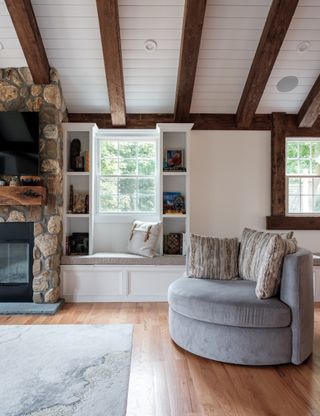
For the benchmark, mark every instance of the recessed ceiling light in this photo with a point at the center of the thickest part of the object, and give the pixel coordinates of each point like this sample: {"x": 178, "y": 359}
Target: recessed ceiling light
{"x": 150, "y": 45}
{"x": 287, "y": 84}
{"x": 1, "y": 46}
{"x": 303, "y": 46}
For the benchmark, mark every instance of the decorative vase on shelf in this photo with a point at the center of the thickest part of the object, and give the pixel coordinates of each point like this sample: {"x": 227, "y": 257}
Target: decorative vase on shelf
{"x": 14, "y": 181}
{"x": 75, "y": 150}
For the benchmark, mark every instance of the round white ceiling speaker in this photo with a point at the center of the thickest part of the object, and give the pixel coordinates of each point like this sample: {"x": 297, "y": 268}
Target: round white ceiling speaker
{"x": 287, "y": 84}
{"x": 303, "y": 46}
{"x": 150, "y": 45}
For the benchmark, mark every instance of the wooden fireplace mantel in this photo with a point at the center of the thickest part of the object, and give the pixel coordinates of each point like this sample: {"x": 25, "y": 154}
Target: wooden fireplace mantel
{"x": 23, "y": 195}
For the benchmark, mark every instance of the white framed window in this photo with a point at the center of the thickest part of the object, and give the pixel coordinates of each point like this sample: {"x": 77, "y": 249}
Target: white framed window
{"x": 127, "y": 179}
{"x": 303, "y": 176}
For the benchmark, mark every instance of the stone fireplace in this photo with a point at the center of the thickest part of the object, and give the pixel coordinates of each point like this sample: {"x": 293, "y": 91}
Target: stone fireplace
{"x": 19, "y": 93}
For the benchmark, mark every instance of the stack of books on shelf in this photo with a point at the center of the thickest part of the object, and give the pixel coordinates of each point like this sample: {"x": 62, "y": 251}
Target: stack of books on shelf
{"x": 174, "y": 169}
{"x": 174, "y": 243}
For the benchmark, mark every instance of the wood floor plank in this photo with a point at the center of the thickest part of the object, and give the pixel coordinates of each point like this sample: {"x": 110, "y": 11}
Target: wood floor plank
{"x": 161, "y": 391}
{"x": 165, "y": 380}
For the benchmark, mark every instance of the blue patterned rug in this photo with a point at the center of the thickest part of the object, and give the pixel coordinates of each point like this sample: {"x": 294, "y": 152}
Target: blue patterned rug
{"x": 64, "y": 370}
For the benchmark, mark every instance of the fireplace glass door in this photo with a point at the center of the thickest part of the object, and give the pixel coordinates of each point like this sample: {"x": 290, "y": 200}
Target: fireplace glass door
{"x": 14, "y": 263}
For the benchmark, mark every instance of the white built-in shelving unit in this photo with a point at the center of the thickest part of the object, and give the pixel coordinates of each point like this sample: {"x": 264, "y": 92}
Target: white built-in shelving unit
{"x": 81, "y": 181}
{"x": 174, "y": 137}
{"x": 122, "y": 282}
{"x": 171, "y": 136}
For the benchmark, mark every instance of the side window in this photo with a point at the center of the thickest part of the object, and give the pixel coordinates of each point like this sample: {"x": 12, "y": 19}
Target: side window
{"x": 303, "y": 176}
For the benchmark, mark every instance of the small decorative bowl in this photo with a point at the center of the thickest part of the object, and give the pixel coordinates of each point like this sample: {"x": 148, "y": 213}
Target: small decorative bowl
{"x": 30, "y": 180}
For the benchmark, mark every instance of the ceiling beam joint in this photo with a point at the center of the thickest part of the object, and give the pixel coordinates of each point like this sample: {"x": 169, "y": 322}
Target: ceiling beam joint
{"x": 310, "y": 109}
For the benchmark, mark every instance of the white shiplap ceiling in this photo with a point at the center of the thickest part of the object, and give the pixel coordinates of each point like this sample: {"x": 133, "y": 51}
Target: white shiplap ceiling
{"x": 71, "y": 37}
{"x": 150, "y": 77}
{"x": 12, "y": 54}
{"x": 230, "y": 37}
{"x": 231, "y": 33}
{"x": 305, "y": 26}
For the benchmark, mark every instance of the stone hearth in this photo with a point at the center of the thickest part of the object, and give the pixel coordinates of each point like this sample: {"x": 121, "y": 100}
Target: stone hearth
{"x": 18, "y": 93}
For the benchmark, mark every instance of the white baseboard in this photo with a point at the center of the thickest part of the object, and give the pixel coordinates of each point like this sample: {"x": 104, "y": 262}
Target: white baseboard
{"x": 97, "y": 299}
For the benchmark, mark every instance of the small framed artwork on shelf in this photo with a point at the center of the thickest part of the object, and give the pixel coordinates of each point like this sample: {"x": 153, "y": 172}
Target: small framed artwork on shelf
{"x": 77, "y": 244}
{"x": 173, "y": 203}
{"x": 174, "y": 160}
{"x": 173, "y": 243}
{"x": 78, "y": 202}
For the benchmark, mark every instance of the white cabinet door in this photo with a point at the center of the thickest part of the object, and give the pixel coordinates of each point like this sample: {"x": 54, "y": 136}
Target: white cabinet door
{"x": 152, "y": 283}
{"x": 90, "y": 284}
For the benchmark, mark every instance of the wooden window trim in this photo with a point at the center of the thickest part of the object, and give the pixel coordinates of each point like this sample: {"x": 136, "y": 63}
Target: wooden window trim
{"x": 278, "y": 220}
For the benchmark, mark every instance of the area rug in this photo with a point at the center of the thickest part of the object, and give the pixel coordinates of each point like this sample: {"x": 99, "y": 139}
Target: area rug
{"x": 64, "y": 370}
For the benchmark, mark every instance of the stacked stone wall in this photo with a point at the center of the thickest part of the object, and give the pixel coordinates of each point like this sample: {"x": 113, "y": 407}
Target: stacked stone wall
{"x": 19, "y": 93}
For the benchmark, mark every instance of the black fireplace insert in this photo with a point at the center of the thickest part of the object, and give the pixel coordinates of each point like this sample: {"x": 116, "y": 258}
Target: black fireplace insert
{"x": 16, "y": 260}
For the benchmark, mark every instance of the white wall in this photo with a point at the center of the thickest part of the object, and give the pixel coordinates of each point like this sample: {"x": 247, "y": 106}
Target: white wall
{"x": 230, "y": 184}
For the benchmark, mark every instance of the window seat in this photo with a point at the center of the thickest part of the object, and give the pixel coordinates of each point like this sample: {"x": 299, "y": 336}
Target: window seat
{"x": 123, "y": 259}
{"x": 122, "y": 277}
{"x": 119, "y": 277}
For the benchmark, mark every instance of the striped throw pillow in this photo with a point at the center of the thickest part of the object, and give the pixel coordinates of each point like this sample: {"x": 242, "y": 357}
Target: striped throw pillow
{"x": 268, "y": 283}
{"x": 213, "y": 258}
{"x": 253, "y": 244}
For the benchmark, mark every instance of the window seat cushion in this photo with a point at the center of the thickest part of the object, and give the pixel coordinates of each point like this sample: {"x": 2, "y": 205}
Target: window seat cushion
{"x": 123, "y": 259}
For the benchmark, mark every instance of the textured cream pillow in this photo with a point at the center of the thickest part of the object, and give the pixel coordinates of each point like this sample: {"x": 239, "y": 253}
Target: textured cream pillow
{"x": 213, "y": 258}
{"x": 143, "y": 238}
{"x": 261, "y": 259}
{"x": 268, "y": 282}
{"x": 252, "y": 248}
{"x": 253, "y": 244}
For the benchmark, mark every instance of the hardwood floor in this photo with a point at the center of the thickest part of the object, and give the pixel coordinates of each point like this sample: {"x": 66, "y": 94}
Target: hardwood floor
{"x": 167, "y": 381}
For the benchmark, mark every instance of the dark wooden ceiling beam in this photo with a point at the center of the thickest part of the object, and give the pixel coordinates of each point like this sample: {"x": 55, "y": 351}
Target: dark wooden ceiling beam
{"x": 274, "y": 32}
{"x": 133, "y": 121}
{"x": 278, "y": 164}
{"x": 194, "y": 11}
{"x": 293, "y": 129}
{"x": 201, "y": 121}
{"x": 228, "y": 122}
{"x": 111, "y": 45}
{"x": 28, "y": 33}
{"x": 310, "y": 109}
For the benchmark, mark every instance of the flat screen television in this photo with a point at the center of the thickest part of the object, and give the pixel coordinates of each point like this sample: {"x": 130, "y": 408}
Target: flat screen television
{"x": 19, "y": 143}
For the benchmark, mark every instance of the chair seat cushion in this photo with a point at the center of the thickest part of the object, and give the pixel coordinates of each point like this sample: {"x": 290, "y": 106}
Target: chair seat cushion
{"x": 227, "y": 302}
